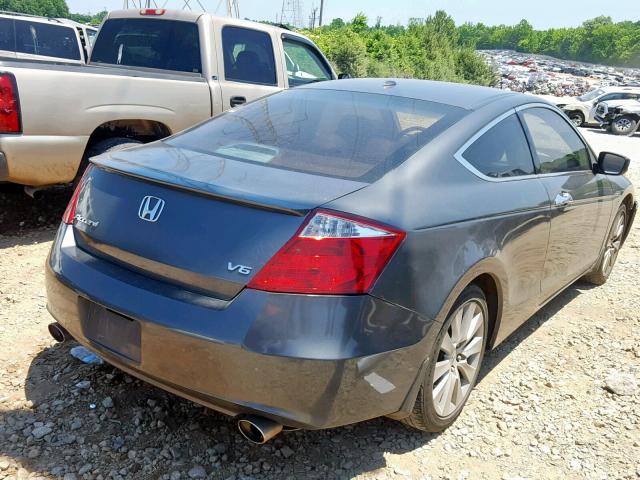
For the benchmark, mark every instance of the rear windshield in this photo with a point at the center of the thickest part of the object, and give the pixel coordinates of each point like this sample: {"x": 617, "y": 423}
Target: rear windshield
{"x": 150, "y": 43}
{"x": 358, "y": 136}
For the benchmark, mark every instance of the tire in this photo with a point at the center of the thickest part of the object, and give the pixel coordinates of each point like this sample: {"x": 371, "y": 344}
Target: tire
{"x": 607, "y": 260}
{"x": 434, "y": 416}
{"x": 103, "y": 146}
{"x": 577, "y": 118}
{"x": 625, "y": 125}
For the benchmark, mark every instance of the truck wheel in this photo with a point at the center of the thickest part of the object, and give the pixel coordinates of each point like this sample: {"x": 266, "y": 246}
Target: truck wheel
{"x": 455, "y": 362}
{"x": 625, "y": 125}
{"x": 577, "y": 118}
{"x": 104, "y": 146}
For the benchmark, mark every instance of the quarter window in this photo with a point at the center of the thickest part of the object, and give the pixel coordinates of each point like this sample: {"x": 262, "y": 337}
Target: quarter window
{"x": 248, "y": 56}
{"x": 49, "y": 40}
{"x": 304, "y": 65}
{"x": 557, "y": 147}
{"x": 7, "y": 35}
{"x": 502, "y": 151}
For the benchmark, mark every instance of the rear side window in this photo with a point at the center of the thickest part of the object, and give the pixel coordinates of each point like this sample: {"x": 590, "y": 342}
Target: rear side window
{"x": 557, "y": 146}
{"x": 149, "y": 43}
{"x": 351, "y": 135}
{"x": 7, "y": 35}
{"x": 304, "y": 64}
{"x": 248, "y": 56}
{"x": 48, "y": 40}
{"x": 502, "y": 151}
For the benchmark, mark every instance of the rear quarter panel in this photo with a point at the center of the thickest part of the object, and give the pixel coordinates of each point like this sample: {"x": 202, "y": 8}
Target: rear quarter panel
{"x": 458, "y": 227}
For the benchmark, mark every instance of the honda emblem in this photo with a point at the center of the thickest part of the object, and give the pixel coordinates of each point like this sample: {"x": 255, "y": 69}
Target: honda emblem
{"x": 150, "y": 208}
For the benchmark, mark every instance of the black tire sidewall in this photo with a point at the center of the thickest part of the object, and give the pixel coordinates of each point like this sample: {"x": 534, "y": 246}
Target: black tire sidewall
{"x": 634, "y": 125}
{"x": 431, "y": 418}
{"x": 579, "y": 115}
{"x": 103, "y": 146}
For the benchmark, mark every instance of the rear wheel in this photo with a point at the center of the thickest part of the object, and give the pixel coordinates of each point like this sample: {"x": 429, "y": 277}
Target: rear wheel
{"x": 455, "y": 363}
{"x": 609, "y": 255}
{"x": 104, "y": 146}
{"x": 625, "y": 125}
{"x": 577, "y": 118}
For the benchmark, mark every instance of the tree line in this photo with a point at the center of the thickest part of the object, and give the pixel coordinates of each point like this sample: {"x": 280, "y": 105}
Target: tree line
{"x": 599, "y": 40}
{"x": 429, "y": 48}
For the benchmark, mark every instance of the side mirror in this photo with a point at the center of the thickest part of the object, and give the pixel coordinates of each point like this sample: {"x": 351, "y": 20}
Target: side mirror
{"x": 612, "y": 163}
{"x": 342, "y": 76}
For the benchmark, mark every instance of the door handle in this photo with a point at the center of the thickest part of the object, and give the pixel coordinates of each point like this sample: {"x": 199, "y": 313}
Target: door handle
{"x": 563, "y": 199}
{"x": 235, "y": 101}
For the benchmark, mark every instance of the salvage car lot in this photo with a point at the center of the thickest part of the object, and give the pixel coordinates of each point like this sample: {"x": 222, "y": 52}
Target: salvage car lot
{"x": 541, "y": 409}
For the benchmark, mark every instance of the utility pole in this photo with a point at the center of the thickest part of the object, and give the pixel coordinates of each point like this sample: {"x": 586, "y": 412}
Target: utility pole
{"x": 312, "y": 18}
{"x": 321, "y": 11}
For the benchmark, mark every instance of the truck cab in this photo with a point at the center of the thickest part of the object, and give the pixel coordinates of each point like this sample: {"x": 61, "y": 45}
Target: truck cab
{"x": 240, "y": 60}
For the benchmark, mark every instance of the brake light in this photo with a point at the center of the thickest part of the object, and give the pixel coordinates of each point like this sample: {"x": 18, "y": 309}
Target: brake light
{"x": 9, "y": 105}
{"x": 332, "y": 253}
{"x": 70, "y": 212}
{"x": 152, "y": 11}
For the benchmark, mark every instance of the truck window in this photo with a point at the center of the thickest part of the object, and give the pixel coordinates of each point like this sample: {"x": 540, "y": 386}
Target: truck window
{"x": 7, "y": 35}
{"x": 150, "y": 43}
{"x": 44, "y": 39}
{"x": 304, "y": 65}
{"x": 248, "y": 56}
{"x": 91, "y": 37}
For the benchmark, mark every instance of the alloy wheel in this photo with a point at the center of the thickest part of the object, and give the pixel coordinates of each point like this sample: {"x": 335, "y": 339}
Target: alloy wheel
{"x": 613, "y": 244}
{"x": 458, "y": 358}
{"x": 623, "y": 124}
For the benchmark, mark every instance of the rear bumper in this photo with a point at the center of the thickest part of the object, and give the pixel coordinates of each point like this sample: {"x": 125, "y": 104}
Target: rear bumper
{"x": 304, "y": 361}
{"x": 38, "y": 160}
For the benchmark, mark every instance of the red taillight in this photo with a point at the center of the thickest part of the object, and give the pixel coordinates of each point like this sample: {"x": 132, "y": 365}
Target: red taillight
{"x": 332, "y": 253}
{"x": 152, "y": 11}
{"x": 70, "y": 212}
{"x": 9, "y": 105}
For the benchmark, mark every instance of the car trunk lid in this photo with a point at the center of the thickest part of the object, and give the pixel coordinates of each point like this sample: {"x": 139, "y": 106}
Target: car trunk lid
{"x": 203, "y": 223}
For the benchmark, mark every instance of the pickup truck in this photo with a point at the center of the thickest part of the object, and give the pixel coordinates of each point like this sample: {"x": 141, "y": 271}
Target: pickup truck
{"x": 31, "y": 37}
{"x": 151, "y": 73}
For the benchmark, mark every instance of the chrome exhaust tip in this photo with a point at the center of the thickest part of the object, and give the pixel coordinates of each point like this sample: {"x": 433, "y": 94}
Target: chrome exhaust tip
{"x": 257, "y": 429}
{"x": 58, "y": 332}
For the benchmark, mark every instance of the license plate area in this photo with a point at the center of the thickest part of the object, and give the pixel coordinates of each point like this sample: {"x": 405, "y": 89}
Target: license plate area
{"x": 111, "y": 331}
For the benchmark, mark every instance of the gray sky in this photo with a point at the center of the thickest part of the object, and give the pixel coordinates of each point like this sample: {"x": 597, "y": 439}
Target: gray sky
{"x": 541, "y": 13}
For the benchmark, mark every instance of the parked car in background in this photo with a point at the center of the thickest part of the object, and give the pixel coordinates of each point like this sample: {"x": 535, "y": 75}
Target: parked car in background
{"x": 152, "y": 73}
{"x": 582, "y": 110}
{"x": 335, "y": 252}
{"x": 28, "y": 37}
{"x": 620, "y": 117}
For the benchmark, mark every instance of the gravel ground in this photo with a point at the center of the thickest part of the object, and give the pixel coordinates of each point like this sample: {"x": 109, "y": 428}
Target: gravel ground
{"x": 544, "y": 407}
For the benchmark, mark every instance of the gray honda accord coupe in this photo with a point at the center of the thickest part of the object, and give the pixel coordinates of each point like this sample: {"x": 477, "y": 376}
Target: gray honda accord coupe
{"x": 335, "y": 252}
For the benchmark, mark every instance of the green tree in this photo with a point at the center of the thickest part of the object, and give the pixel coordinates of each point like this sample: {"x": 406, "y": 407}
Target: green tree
{"x": 45, "y": 8}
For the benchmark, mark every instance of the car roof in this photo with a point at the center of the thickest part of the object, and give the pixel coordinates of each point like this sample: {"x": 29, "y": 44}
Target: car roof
{"x": 469, "y": 97}
{"x": 620, "y": 88}
{"x": 193, "y": 16}
{"x": 34, "y": 18}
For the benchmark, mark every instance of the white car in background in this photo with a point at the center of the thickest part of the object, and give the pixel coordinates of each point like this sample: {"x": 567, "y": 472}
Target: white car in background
{"x": 582, "y": 110}
{"x": 28, "y": 37}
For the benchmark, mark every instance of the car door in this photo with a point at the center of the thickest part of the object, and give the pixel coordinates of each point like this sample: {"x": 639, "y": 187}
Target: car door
{"x": 500, "y": 154}
{"x": 580, "y": 199}
{"x": 247, "y": 65}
